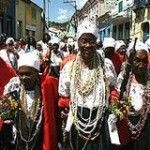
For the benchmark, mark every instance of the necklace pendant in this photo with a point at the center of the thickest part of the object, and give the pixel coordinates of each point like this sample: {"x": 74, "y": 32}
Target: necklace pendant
{"x": 134, "y": 132}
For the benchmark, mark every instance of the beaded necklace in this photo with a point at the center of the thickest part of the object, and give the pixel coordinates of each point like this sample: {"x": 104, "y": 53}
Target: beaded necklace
{"x": 33, "y": 117}
{"x": 137, "y": 129}
{"x": 87, "y": 127}
{"x": 35, "y": 105}
{"x": 14, "y": 65}
{"x": 87, "y": 87}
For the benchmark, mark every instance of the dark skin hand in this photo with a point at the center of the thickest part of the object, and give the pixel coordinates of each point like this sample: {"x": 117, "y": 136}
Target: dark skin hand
{"x": 64, "y": 113}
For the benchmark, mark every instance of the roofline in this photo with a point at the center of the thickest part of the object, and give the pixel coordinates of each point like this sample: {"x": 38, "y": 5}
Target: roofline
{"x": 29, "y": 1}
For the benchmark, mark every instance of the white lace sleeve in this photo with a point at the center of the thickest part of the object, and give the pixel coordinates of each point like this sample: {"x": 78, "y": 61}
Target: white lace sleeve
{"x": 110, "y": 72}
{"x": 12, "y": 85}
{"x": 119, "y": 80}
{"x": 64, "y": 80}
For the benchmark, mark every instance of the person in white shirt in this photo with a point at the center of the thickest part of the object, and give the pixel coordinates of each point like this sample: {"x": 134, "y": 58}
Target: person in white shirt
{"x": 9, "y": 54}
{"x": 83, "y": 87}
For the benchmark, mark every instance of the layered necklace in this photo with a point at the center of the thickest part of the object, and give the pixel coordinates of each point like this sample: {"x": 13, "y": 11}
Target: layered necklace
{"x": 30, "y": 118}
{"x": 86, "y": 88}
{"x": 13, "y": 64}
{"x": 87, "y": 127}
{"x": 138, "y": 127}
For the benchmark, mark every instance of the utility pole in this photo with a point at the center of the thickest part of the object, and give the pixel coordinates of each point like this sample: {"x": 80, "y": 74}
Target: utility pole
{"x": 48, "y": 5}
{"x": 44, "y": 10}
{"x": 75, "y": 7}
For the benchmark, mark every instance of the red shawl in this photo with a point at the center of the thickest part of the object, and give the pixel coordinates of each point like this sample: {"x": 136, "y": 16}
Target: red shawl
{"x": 50, "y": 103}
{"x": 6, "y": 73}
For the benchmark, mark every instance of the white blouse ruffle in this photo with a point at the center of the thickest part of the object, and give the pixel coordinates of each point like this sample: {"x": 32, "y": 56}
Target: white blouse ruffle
{"x": 90, "y": 100}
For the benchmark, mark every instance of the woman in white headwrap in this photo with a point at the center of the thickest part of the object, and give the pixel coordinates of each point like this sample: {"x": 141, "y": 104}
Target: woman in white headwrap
{"x": 83, "y": 89}
{"x": 35, "y": 102}
{"x": 9, "y": 54}
{"x": 134, "y": 85}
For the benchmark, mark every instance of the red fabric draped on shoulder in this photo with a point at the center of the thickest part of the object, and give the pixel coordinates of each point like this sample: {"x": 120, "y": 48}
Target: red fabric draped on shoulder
{"x": 50, "y": 100}
{"x": 6, "y": 73}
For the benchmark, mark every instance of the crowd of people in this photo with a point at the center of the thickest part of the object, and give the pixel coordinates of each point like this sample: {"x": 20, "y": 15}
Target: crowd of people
{"x": 75, "y": 94}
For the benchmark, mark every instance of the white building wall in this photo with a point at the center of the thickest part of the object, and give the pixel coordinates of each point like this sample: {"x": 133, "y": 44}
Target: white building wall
{"x": 91, "y": 10}
{"x": 110, "y": 5}
{"x": 124, "y": 15}
{"x": 127, "y": 4}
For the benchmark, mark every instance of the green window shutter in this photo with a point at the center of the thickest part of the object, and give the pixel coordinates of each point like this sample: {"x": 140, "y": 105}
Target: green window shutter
{"x": 120, "y": 6}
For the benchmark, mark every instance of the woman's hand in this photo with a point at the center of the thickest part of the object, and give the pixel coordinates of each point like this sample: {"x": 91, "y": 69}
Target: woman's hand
{"x": 64, "y": 113}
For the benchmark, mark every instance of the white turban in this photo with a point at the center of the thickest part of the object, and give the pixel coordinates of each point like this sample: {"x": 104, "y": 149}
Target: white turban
{"x": 87, "y": 27}
{"x": 54, "y": 40}
{"x": 139, "y": 46}
{"x": 109, "y": 42}
{"x": 40, "y": 43}
{"x": 119, "y": 43}
{"x": 30, "y": 59}
{"x": 9, "y": 40}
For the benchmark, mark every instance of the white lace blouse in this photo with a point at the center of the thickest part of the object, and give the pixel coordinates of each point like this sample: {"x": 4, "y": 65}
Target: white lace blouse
{"x": 136, "y": 93}
{"x": 14, "y": 85}
{"x": 95, "y": 97}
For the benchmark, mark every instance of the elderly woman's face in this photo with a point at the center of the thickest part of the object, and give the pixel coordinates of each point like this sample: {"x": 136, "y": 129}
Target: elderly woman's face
{"x": 47, "y": 37}
{"x": 16, "y": 45}
{"x": 87, "y": 46}
{"x": 55, "y": 47}
{"x": 122, "y": 50}
{"x": 39, "y": 47}
{"x": 32, "y": 40}
{"x": 10, "y": 46}
{"x": 109, "y": 52}
{"x": 28, "y": 77}
{"x": 140, "y": 62}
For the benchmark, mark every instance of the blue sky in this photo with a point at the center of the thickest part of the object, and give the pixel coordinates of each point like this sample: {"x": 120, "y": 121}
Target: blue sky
{"x": 59, "y": 11}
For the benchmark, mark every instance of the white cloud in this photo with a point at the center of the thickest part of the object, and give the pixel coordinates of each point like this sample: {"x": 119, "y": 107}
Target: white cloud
{"x": 64, "y": 15}
{"x": 80, "y": 3}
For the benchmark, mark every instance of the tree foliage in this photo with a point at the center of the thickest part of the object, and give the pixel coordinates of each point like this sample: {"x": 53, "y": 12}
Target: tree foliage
{"x": 57, "y": 25}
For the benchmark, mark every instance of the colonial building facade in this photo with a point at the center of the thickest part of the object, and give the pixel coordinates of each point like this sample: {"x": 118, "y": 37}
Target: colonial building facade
{"x": 120, "y": 19}
{"x": 141, "y": 19}
{"x": 7, "y": 17}
{"x": 91, "y": 11}
{"x": 117, "y": 20}
{"x": 28, "y": 19}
